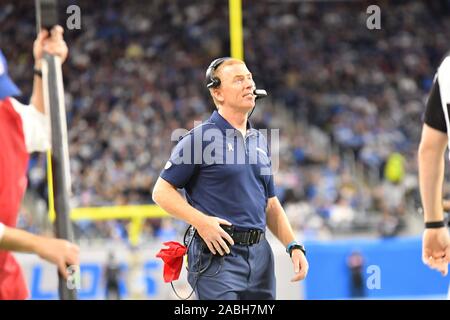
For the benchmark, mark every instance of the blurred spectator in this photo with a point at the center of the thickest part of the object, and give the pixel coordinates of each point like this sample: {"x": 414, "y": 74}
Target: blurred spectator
{"x": 355, "y": 264}
{"x": 112, "y": 276}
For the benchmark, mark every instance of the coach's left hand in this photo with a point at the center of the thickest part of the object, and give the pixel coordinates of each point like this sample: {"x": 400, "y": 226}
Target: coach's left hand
{"x": 301, "y": 265}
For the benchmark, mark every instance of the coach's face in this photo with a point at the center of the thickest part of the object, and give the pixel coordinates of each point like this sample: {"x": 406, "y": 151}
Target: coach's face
{"x": 237, "y": 87}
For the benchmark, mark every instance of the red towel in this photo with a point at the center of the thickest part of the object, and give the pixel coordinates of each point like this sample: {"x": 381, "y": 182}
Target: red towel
{"x": 173, "y": 260}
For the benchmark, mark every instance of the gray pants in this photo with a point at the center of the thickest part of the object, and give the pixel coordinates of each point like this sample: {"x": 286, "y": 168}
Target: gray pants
{"x": 247, "y": 273}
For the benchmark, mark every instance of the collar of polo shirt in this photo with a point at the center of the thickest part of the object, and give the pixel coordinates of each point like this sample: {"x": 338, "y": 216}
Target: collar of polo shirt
{"x": 227, "y": 128}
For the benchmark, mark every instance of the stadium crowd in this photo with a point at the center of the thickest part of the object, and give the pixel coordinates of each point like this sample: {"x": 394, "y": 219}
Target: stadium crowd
{"x": 348, "y": 100}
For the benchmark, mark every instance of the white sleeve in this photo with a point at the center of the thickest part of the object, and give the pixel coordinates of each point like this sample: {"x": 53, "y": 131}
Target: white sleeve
{"x": 36, "y": 127}
{"x": 2, "y": 230}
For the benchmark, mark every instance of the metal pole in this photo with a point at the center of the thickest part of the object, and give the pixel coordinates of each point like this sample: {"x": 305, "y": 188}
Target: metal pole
{"x": 54, "y": 102}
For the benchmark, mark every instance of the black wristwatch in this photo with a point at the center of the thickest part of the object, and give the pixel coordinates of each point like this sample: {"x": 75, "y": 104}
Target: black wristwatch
{"x": 295, "y": 245}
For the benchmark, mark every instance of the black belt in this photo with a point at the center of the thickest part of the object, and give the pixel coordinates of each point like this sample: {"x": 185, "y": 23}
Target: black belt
{"x": 247, "y": 238}
{"x": 244, "y": 237}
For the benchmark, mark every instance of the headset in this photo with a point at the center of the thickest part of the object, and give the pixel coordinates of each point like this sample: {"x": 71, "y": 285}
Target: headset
{"x": 211, "y": 80}
{"x": 214, "y": 82}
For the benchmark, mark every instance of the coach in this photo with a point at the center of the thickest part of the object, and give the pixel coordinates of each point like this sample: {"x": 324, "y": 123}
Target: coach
{"x": 225, "y": 169}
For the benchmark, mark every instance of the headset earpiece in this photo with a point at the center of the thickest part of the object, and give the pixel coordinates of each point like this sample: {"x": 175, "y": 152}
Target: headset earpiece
{"x": 211, "y": 80}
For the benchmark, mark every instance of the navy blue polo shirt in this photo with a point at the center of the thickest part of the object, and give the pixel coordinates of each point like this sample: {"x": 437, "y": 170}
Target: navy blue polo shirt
{"x": 223, "y": 173}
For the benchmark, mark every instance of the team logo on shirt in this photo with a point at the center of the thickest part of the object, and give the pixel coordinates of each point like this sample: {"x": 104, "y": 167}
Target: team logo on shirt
{"x": 230, "y": 146}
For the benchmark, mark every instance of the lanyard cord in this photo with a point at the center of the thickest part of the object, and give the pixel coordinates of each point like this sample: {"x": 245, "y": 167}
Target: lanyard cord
{"x": 199, "y": 272}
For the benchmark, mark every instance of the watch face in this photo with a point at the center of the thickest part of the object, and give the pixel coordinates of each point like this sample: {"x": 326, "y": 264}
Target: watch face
{"x": 297, "y": 246}
{"x": 291, "y": 246}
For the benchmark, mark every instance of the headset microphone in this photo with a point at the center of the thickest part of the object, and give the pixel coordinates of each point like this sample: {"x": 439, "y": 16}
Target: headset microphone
{"x": 260, "y": 93}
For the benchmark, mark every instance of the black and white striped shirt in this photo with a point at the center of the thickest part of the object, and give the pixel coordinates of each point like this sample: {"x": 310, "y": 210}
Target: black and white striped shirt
{"x": 438, "y": 104}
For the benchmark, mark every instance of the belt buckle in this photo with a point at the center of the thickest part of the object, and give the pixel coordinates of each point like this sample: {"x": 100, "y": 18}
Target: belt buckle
{"x": 258, "y": 236}
{"x": 253, "y": 236}
{"x": 228, "y": 229}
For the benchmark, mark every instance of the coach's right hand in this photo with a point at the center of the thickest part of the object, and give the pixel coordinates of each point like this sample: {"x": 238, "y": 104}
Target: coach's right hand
{"x": 213, "y": 235}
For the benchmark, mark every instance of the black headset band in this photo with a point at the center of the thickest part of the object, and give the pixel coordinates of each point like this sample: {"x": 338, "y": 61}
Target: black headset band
{"x": 211, "y": 80}
{"x": 216, "y": 63}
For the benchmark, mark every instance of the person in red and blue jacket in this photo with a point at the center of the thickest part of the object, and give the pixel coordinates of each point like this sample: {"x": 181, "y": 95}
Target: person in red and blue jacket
{"x": 24, "y": 129}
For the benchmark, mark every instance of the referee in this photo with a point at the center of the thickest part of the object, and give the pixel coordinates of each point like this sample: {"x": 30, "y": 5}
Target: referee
{"x": 434, "y": 140}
